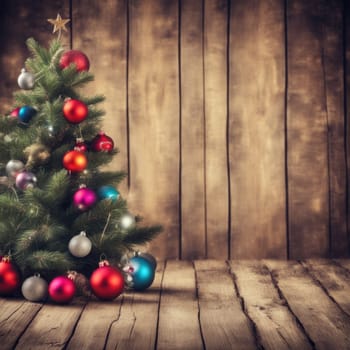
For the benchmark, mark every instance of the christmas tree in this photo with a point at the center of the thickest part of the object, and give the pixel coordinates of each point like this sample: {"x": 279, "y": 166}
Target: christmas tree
{"x": 59, "y": 210}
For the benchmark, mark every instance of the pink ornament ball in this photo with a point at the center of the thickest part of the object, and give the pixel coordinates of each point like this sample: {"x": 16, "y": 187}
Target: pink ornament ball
{"x": 84, "y": 198}
{"x": 15, "y": 112}
{"x": 62, "y": 289}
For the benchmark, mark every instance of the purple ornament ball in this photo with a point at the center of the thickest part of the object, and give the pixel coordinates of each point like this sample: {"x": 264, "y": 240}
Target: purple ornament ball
{"x": 25, "y": 180}
{"x": 84, "y": 198}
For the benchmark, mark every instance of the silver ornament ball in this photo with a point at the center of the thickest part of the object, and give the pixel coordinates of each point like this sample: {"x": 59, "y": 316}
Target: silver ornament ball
{"x": 35, "y": 288}
{"x": 26, "y": 80}
{"x": 80, "y": 246}
{"x": 14, "y": 167}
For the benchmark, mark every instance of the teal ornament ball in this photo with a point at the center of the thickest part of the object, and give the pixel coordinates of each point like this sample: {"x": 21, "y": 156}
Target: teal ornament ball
{"x": 148, "y": 257}
{"x": 142, "y": 273}
{"x": 108, "y": 192}
{"x": 26, "y": 113}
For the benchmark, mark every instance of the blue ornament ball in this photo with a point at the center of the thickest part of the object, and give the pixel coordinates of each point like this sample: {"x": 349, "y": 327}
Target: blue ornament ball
{"x": 108, "y": 192}
{"x": 142, "y": 273}
{"x": 26, "y": 113}
{"x": 148, "y": 257}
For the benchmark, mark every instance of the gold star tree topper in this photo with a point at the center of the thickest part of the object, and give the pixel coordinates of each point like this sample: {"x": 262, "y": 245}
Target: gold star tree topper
{"x": 58, "y": 24}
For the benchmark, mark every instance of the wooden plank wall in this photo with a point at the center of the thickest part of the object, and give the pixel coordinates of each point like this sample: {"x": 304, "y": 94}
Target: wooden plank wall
{"x": 232, "y": 117}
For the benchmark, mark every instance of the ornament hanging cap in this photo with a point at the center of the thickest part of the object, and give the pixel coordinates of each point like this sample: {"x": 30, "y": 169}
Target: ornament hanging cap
{"x": 103, "y": 261}
{"x": 6, "y": 258}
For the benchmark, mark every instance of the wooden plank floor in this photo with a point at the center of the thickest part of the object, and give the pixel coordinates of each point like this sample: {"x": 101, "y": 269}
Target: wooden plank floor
{"x": 204, "y": 304}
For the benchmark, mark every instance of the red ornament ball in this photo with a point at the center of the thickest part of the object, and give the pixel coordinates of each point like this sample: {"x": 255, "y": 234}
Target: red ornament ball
{"x": 102, "y": 143}
{"x": 75, "y": 161}
{"x": 75, "y": 111}
{"x": 77, "y": 57}
{"x": 107, "y": 282}
{"x": 80, "y": 145}
{"x": 9, "y": 277}
{"x": 62, "y": 289}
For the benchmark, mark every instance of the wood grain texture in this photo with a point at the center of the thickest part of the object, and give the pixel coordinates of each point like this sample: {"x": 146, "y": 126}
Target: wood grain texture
{"x": 276, "y": 325}
{"x": 323, "y": 321}
{"x": 94, "y": 324}
{"x": 178, "y": 317}
{"x": 223, "y": 322}
{"x": 308, "y": 173}
{"x": 343, "y": 262}
{"x": 256, "y": 129}
{"x": 19, "y": 20}
{"x": 105, "y": 43}
{"x": 133, "y": 329}
{"x": 154, "y": 119}
{"x": 193, "y": 235}
{"x": 346, "y": 40}
{"x": 42, "y": 332}
{"x": 334, "y": 279}
{"x": 215, "y": 104}
{"x": 333, "y": 71}
{"x": 202, "y": 99}
{"x": 15, "y": 316}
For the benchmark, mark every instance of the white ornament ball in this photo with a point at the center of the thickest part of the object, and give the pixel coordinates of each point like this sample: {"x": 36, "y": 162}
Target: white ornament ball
{"x": 26, "y": 80}
{"x": 35, "y": 288}
{"x": 127, "y": 221}
{"x": 14, "y": 167}
{"x": 80, "y": 246}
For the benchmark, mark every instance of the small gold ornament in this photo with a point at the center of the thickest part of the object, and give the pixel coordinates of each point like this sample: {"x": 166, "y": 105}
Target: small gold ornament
{"x": 37, "y": 154}
{"x": 58, "y": 24}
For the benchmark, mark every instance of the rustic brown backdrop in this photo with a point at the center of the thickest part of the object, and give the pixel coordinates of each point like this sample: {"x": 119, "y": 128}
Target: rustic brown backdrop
{"x": 231, "y": 116}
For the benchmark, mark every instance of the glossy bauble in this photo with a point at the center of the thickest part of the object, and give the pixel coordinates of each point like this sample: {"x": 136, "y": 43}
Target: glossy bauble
{"x": 35, "y": 288}
{"x": 77, "y": 57}
{"x": 75, "y": 111}
{"x": 14, "y": 167}
{"x": 84, "y": 198}
{"x": 107, "y": 282}
{"x": 62, "y": 289}
{"x": 15, "y": 112}
{"x": 25, "y": 180}
{"x": 127, "y": 221}
{"x": 142, "y": 273}
{"x": 80, "y": 145}
{"x": 9, "y": 277}
{"x": 26, "y": 113}
{"x": 80, "y": 246}
{"x": 102, "y": 143}
{"x": 108, "y": 192}
{"x": 152, "y": 260}
{"x": 75, "y": 161}
{"x": 26, "y": 80}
